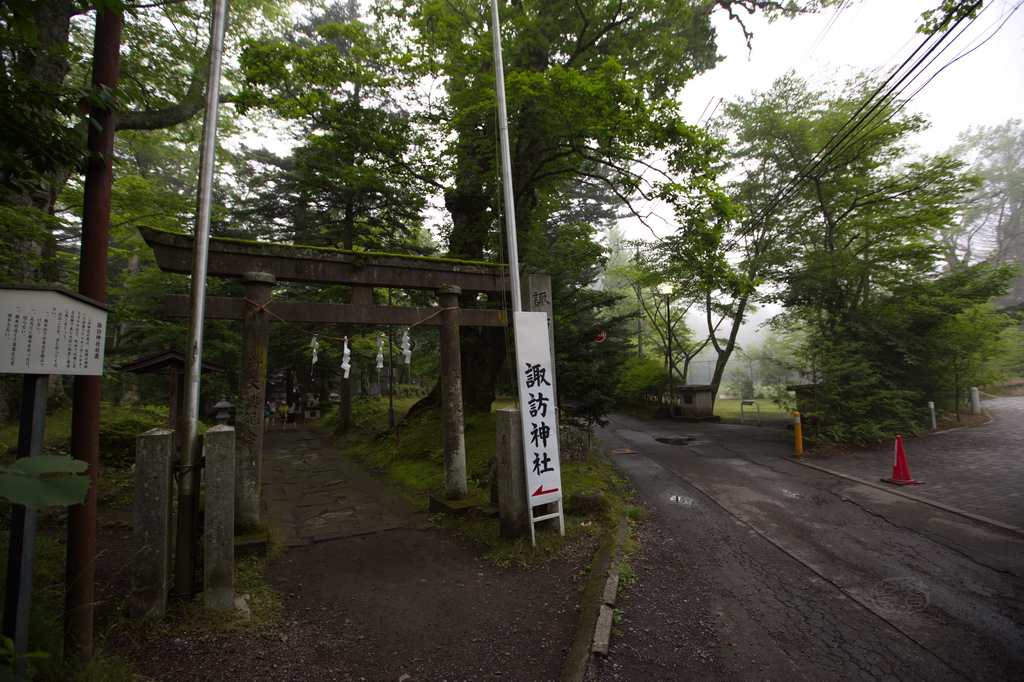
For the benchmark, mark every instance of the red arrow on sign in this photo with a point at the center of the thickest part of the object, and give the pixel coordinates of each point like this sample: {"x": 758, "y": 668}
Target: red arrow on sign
{"x": 541, "y": 491}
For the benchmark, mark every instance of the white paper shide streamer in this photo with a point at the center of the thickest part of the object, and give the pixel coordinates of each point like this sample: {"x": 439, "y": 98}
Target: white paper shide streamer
{"x": 345, "y": 355}
{"x": 380, "y": 352}
{"x": 314, "y": 344}
{"x": 406, "y": 347}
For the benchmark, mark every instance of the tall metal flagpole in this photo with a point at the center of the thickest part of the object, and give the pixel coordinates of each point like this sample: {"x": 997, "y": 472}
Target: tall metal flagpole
{"x": 506, "y": 163}
{"x": 541, "y": 473}
{"x": 184, "y": 567}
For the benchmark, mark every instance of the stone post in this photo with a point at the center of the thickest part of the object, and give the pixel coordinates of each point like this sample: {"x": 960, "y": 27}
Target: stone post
{"x": 151, "y": 555}
{"x": 538, "y": 298}
{"x": 218, "y": 534}
{"x": 453, "y": 436}
{"x": 252, "y": 386}
{"x": 513, "y": 509}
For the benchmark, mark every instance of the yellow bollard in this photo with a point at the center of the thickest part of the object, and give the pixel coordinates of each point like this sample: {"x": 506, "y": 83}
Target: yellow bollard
{"x": 798, "y": 434}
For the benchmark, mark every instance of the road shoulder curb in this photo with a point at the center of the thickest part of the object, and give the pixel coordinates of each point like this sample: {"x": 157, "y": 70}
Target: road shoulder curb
{"x": 597, "y": 607}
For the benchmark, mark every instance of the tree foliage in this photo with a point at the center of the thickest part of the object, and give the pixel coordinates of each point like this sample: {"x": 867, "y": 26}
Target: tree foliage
{"x": 642, "y": 379}
{"x": 360, "y": 176}
{"x": 587, "y": 85}
{"x": 846, "y": 237}
{"x": 992, "y": 225}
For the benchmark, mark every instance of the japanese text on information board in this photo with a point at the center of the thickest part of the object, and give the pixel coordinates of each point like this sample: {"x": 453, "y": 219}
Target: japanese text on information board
{"x": 46, "y": 332}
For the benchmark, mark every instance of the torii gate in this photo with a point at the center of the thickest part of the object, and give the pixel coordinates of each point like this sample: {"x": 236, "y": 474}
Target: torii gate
{"x": 261, "y": 265}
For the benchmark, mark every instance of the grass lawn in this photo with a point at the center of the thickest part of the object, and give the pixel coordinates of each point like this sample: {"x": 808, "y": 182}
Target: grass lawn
{"x": 729, "y": 408}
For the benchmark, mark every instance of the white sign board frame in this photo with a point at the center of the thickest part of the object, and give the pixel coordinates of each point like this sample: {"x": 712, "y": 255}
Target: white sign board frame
{"x": 535, "y": 377}
{"x": 48, "y": 330}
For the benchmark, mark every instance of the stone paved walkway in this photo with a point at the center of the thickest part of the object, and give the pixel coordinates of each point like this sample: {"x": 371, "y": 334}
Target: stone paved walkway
{"x": 977, "y": 470}
{"x": 312, "y": 493}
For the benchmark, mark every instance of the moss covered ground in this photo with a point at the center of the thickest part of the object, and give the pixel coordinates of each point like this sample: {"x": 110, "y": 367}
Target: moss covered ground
{"x": 411, "y": 457}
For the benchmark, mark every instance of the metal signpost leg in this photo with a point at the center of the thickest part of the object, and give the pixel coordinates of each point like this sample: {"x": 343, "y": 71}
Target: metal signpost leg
{"x": 21, "y": 552}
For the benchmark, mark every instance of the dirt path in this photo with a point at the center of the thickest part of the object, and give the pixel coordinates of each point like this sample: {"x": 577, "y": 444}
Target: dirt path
{"x": 373, "y": 592}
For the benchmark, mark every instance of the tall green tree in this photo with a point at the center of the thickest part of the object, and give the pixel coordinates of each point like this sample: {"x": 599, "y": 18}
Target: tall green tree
{"x": 46, "y": 57}
{"x": 992, "y": 225}
{"x": 663, "y": 301}
{"x": 592, "y": 90}
{"x": 968, "y": 343}
{"x": 359, "y": 177}
{"x": 839, "y": 225}
{"x": 846, "y": 238}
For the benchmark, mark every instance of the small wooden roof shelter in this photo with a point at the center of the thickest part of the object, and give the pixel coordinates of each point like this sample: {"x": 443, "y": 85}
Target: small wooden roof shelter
{"x": 172, "y": 363}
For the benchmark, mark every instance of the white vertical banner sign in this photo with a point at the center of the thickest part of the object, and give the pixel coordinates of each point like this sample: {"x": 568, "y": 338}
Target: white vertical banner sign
{"x": 537, "y": 398}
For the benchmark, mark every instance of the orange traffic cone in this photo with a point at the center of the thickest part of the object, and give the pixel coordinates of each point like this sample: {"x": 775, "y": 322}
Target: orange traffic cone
{"x": 900, "y": 470}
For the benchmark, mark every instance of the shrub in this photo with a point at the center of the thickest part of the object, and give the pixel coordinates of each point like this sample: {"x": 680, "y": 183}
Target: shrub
{"x": 641, "y": 377}
{"x": 117, "y": 438}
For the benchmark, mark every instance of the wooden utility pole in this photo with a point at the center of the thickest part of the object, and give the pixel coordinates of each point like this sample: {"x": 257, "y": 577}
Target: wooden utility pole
{"x": 92, "y": 282}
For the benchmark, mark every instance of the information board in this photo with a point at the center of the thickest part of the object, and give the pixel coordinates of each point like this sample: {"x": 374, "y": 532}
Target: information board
{"x": 50, "y": 331}
{"x": 536, "y": 394}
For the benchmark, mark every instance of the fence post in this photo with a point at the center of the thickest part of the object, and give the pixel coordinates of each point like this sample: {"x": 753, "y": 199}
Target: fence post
{"x": 151, "y": 556}
{"x": 218, "y": 534}
{"x": 513, "y": 511}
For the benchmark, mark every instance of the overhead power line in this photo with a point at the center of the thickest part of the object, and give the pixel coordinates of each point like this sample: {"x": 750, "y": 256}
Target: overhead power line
{"x": 868, "y": 112}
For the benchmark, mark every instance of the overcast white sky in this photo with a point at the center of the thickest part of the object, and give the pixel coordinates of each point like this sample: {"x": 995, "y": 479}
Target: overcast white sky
{"x": 983, "y": 84}
{"x": 984, "y": 87}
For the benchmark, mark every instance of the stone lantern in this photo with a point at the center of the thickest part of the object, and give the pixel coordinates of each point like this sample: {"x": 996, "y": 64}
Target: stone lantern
{"x": 223, "y": 408}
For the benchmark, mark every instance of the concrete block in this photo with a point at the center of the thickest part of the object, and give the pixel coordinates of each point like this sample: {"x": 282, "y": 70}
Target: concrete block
{"x": 603, "y": 631}
{"x": 611, "y": 587}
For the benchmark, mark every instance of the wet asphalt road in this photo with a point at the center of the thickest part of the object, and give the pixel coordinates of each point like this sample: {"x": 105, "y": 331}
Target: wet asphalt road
{"x": 755, "y": 567}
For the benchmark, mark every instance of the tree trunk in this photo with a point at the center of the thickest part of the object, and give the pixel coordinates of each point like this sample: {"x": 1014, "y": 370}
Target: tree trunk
{"x": 725, "y": 352}
{"x": 483, "y": 351}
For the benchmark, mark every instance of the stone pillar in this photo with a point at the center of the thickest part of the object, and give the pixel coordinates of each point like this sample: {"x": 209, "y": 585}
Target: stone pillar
{"x": 538, "y": 298}
{"x": 513, "y": 509}
{"x": 218, "y": 533}
{"x": 453, "y": 436}
{"x": 151, "y": 555}
{"x": 252, "y": 386}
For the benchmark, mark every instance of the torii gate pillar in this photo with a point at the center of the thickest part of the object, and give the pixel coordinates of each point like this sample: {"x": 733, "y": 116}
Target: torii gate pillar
{"x": 452, "y": 432}
{"x": 252, "y": 387}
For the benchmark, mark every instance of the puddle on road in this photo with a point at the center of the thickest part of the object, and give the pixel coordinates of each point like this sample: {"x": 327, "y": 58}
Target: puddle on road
{"x": 682, "y": 499}
{"x": 676, "y": 440}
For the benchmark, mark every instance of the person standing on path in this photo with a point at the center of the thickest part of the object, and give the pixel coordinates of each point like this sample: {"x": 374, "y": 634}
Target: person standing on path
{"x": 293, "y": 414}
{"x": 282, "y": 413}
